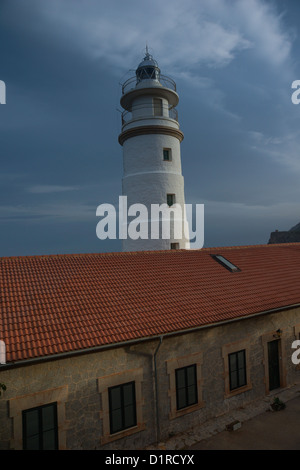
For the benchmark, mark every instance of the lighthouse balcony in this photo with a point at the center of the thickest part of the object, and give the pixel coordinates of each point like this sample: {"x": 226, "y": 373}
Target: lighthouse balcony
{"x": 149, "y": 112}
{"x": 163, "y": 81}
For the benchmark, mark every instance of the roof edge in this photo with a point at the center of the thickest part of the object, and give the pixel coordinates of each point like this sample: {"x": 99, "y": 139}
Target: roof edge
{"x": 94, "y": 349}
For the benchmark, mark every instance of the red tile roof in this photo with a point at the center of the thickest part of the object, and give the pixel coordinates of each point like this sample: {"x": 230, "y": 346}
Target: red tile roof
{"x": 63, "y": 303}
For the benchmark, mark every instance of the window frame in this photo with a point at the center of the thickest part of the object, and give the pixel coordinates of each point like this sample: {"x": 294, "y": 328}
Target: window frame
{"x": 176, "y": 363}
{"x": 122, "y": 407}
{"x": 157, "y": 106}
{"x": 41, "y": 430}
{"x": 169, "y": 153}
{"x": 173, "y": 199}
{"x": 236, "y": 371}
{"x": 227, "y": 349}
{"x": 117, "y": 378}
{"x": 175, "y": 246}
{"x": 186, "y": 386}
{"x": 226, "y": 263}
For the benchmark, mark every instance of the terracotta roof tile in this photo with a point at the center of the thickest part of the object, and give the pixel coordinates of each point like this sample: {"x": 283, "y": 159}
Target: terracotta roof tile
{"x": 62, "y": 303}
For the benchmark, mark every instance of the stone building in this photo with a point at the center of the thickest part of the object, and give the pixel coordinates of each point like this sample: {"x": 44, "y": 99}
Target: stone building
{"x": 122, "y": 350}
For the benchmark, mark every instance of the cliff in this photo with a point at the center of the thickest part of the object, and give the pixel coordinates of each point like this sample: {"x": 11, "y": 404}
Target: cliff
{"x": 290, "y": 236}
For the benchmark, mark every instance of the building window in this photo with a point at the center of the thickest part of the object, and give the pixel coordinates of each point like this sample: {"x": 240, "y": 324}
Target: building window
{"x": 157, "y": 107}
{"x": 226, "y": 263}
{"x": 167, "y": 155}
{"x": 170, "y": 199}
{"x": 106, "y": 384}
{"x": 40, "y": 430}
{"x": 122, "y": 407}
{"x": 186, "y": 386}
{"x": 191, "y": 392}
{"x": 237, "y": 369}
{"x": 174, "y": 246}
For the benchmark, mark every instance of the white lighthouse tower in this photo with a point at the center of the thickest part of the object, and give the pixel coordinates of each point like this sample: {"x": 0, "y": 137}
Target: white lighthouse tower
{"x": 151, "y": 153}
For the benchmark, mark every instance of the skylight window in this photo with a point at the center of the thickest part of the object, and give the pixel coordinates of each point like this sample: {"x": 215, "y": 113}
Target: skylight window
{"x": 227, "y": 264}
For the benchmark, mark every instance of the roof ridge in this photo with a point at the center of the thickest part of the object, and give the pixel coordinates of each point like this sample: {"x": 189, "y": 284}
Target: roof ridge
{"x": 150, "y": 252}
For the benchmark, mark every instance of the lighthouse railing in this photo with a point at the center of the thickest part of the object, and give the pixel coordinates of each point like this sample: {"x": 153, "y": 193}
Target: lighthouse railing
{"x": 164, "y": 81}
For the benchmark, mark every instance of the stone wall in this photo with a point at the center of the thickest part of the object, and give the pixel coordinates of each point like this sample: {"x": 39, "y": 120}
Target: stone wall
{"x": 79, "y": 384}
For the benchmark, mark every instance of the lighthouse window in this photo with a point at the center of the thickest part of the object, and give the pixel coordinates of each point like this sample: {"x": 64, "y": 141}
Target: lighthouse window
{"x": 174, "y": 246}
{"x": 157, "y": 107}
{"x": 167, "y": 155}
{"x": 170, "y": 199}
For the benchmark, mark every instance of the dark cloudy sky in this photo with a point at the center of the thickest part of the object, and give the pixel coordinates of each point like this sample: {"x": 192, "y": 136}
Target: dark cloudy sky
{"x": 62, "y": 62}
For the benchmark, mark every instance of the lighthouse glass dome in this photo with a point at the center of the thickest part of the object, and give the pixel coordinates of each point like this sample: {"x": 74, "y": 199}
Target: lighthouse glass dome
{"x": 148, "y": 74}
{"x": 148, "y": 69}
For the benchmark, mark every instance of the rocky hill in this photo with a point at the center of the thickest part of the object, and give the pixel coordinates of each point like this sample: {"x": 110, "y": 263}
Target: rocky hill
{"x": 290, "y": 236}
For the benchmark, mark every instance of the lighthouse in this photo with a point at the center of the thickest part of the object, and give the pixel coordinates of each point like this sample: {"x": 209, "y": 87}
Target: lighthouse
{"x": 152, "y": 173}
